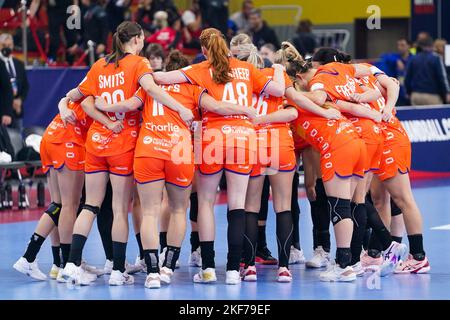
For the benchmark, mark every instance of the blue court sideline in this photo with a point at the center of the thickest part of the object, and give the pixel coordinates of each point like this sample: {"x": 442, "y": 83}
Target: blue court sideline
{"x": 433, "y": 198}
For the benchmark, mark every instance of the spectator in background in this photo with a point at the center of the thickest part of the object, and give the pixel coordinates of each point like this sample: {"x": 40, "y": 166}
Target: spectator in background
{"x": 426, "y": 79}
{"x": 394, "y": 65}
{"x": 148, "y": 8}
{"x": 6, "y": 94}
{"x": 268, "y": 52}
{"x": 116, "y": 10}
{"x": 305, "y": 40}
{"x": 215, "y": 14}
{"x": 95, "y": 26}
{"x": 260, "y": 31}
{"x": 420, "y": 36}
{"x": 17, "y": 77}
{"x": 241, "y": 18}
{"x": 169, "y": 37}
{"x": 57, "y": 18}
{"x": 192, "y": 21}
{"x": 155, "y": 54}
{"x": 439, "y": 48}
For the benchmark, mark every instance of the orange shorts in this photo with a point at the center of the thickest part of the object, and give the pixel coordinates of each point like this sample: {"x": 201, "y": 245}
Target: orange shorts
{"x": 374, "y": 152}
{"x": 148, "y": 170}
{"x": 346, "y": 161}
{"x": 120, "y": 165}
{"x": 237, "y": 160}
{"x": 283, "y": 161}
{"x": 396, "y": 158}
{"x": 58, "y": 155}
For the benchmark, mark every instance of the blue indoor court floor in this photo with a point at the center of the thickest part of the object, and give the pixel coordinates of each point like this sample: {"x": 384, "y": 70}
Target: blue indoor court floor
{"x": 433, "y": 198}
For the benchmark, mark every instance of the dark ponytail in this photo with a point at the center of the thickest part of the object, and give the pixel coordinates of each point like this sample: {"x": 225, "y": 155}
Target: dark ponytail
{"x": 124, "y": 33}
{"x": 328, "y": 55}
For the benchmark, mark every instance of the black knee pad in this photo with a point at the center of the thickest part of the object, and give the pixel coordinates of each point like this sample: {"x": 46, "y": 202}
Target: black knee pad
{"x": 193, "y": 211}
{"x": 94, "y": 210}
{"x": 339, "y": 209}
{"x": 395, "y": 210}
{"x": 53, "y": 211}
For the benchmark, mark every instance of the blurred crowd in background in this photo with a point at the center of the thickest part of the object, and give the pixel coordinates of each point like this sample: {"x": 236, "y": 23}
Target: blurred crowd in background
{"x": 417, "y": 65}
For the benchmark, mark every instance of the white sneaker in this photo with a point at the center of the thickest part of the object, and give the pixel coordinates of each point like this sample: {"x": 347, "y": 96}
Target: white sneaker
{"x": 358, "y": 269}
{"x": 195, "y": 258}
{"x": 233, "y": 277}
{"x": 205, "y": 276}
{"x": 392, "y": 256}
{"x": 53, "y": 274}
{"x": 59, "y": 277}
{"x": 162, "y": 256}
{"x": 166, "y": 275}
{"x": 249, "y": 274}
{"x": 320, "y": 259}
{"x": 284, "y": 275}
{"x": 153, "y": 281}
{"x": 76, "y": 275}
{"x": 107, "y": 269}
{"x": 118, "y": 278}
{"x": 296, "y": 256}
{"x": 336, "y": 273}
{"x": 30, "y": 269}
{"x": 91, "y": 269}
{"x": 138, "y": 266}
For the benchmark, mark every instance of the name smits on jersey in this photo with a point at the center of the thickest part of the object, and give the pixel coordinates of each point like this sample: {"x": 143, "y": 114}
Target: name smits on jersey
{"x": 111, "y": 81}
{"x": 428, "y": 130}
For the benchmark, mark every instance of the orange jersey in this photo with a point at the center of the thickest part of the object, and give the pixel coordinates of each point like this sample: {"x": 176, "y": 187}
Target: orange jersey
{"x": 321, "y": 133}
{"x": 114, "y": 85}
{"x": 162, "y": 127}
{"x": 76, "y": 134}
{"x": 339, "y": 82}
{"x": 267, "y": 104}
{"x": 394, "y": 126}
{"x": 246, "y": 80}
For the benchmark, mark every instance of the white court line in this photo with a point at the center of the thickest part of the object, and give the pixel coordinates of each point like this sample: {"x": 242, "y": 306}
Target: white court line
{"x": 443, "y": 227}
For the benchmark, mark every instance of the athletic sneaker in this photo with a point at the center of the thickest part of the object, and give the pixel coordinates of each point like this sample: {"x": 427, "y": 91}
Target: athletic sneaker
{"x": 77, "y": 275}
{"x": 166, "y": 275}
{"x": 249, "y": 274}
{"x": 138, "y": 266}
{"x": 284, "y": 275}
{"x": 153, "y": 281}
{"x": 205, "y": 276}
{"x": 162, "y": 256}
{"x": 335, "y": 273}
{"x": 118, "y": 278}
{"x": 370, "y": 264}
{"x": 53, "y": 274}
{"x": 233, "y": 277}
{"x": 320, "y": 259}
{"x": 195, "y": 258}
{"x": 264, "y": 256}
{"x": 412, "y": 265}
{"x": 31, "y": 269}
{"x": 392, "y": 256}
{"x": 358, "y": 269}
{"x": 59, "y": 277}
{"x": 296, "y": 256}
{"x": 107, "y": 269}
{"x": 91, "y": 269}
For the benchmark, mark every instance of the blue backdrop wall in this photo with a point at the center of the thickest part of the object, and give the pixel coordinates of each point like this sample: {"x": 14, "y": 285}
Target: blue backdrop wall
{"x": 47, "y": 87}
